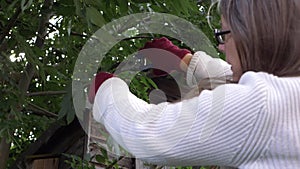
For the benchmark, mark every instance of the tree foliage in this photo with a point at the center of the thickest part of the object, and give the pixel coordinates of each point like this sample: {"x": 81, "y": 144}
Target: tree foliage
{"x": 39, "y": 44}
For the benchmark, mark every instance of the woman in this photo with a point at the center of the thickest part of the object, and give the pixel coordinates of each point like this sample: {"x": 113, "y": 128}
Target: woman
{"x": 251, "y": 124}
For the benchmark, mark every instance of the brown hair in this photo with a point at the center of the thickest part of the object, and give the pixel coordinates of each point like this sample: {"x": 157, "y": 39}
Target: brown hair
{"x": 266, "y": 33}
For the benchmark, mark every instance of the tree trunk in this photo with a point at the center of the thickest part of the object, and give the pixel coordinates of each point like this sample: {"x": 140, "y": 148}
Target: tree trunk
{"x": 4, "y": 153}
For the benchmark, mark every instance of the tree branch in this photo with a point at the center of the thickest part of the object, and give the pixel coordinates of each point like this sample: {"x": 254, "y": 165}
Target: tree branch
{"x": 78, "y": 34}
{"x": 42, "y": 31}
{"x": 46, "y": 93}
{"x": 10, "y": 24}
{"x": 41, "y": 111}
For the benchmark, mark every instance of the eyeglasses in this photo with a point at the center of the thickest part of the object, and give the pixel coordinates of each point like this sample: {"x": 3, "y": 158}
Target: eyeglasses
{"x": 220, "y": 35}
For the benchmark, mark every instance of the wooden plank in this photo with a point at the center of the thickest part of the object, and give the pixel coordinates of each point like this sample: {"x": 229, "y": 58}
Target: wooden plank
{"x": 51, "y": 163}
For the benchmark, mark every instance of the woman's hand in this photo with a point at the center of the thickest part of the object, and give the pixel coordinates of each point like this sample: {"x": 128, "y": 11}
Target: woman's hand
{"x": 98, "y": 80}
{"x": 166, "y": 56}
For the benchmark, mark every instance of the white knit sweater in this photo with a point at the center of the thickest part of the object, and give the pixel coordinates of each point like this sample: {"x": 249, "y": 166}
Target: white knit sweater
{"x": 252, "y": 124}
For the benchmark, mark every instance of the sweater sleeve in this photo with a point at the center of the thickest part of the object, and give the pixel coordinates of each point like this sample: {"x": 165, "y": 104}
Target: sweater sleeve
{"x": 203, "y": 66}
{"x": 206, "y": 130}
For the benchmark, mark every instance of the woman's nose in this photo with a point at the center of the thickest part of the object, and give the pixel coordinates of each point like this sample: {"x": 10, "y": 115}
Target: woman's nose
{"x": 221, "y": 48}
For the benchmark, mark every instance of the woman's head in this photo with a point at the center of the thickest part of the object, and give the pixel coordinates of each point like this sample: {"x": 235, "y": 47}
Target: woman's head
{"x": 265, "y": 35}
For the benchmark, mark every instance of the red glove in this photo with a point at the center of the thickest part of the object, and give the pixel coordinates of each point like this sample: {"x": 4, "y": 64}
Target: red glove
{"x": 162, "y": 59}
{"x": 98, "y": 80}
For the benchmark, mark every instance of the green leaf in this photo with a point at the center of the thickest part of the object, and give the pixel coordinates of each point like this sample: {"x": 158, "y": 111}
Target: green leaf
{"x": 100, "y": 159}
{"x": 25, "y": 4}
{"x": 185, "y": 6}
{"x": 152, "y": 83}
{"x": 123, "y": 6}
{"x": 144, "y": 81}
{"x": 95, "y": 3}
{"x": 78, "y": 6}
{"x": 95, "y": 16}
{"x": 104, "y": 153}
{"x": 70, "y": 117}
{"x": 66, "y": 2}
{"x": 11, "y": 6}
{"x": 116, "y": 165}
{"x": 67, "y": 108}
{"x": 65, "y": 10}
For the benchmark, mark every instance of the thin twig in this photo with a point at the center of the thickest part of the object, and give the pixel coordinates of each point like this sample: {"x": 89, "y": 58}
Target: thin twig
{"x": 129, "y": 38}
{"x": 138, "y": 37}
{"x": 78, "y": 34}
{"x": 43, "y": 93}
{"x": 41, "y": 110}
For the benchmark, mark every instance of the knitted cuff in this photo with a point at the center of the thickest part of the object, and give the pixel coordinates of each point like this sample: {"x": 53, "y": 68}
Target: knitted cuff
{"x": 190, "y": 79}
